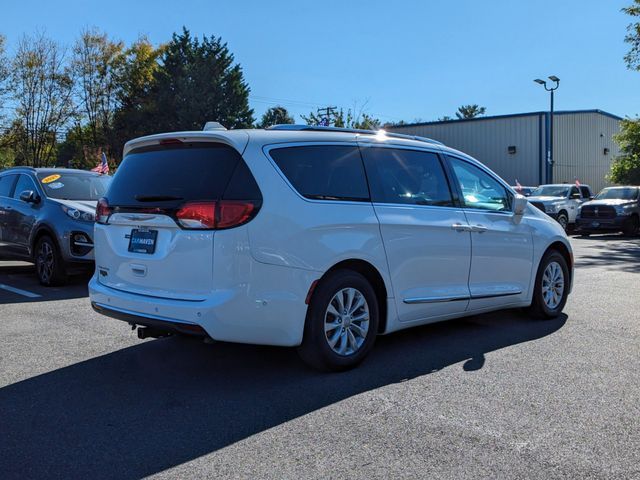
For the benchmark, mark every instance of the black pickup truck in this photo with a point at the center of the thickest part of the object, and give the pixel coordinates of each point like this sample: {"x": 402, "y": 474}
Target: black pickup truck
{"x": 614, "y": 209}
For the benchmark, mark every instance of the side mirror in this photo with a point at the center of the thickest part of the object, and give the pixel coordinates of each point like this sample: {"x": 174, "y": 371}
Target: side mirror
{"x": 519, "y": 204}
{"x": 30, "y": 196}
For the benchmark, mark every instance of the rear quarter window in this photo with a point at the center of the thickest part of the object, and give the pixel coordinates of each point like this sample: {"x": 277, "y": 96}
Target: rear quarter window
{"x": 324, "y": 172}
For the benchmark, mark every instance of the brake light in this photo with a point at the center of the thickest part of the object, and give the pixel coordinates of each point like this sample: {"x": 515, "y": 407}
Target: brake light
{"x": 200, "y": 215}
{"x": 215, "y": 215}
{"x": 103, "y": 211}
{"x": 233, "y": 213}
{"x": 170, "y": 141}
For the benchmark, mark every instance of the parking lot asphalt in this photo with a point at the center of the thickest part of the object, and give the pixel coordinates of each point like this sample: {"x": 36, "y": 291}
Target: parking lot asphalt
{"x": 492, "y": 396}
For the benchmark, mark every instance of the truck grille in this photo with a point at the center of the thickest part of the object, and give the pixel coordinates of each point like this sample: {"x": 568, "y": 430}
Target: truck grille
{"x": 598, "y": 212}
{"x": 538, "y": 205}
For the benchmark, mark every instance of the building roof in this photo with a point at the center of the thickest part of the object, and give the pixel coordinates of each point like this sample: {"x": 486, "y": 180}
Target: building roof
{"x": 511, "y": 115}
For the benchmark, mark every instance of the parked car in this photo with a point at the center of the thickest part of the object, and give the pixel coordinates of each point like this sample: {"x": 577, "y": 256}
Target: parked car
{"x": 614, "y": 209}
{"x": 522, "y": 190}
{"x": 561, "y": 201}
{"x": 47, "y": 217}
{"x": 316, "y": 237}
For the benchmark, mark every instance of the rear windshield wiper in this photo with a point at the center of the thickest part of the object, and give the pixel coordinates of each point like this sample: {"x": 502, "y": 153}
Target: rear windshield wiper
{"x": 156, "y": 198}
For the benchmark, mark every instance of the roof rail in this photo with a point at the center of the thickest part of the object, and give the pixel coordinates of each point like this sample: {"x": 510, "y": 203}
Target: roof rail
{"x": 16, "y": 167}
{"x": 318, "y": 128}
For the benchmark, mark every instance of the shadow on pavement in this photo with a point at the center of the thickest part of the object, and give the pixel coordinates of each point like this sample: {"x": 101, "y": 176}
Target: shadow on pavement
{"x": 602, "y": 251}
{"x": 22, "y": 276}
{"x": 147, "y": 408}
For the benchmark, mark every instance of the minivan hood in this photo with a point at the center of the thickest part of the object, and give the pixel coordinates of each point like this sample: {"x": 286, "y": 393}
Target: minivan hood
{"x": 82, "y": 205}
{"x": 608, "y": 201}
{"x": 544, "y": 199}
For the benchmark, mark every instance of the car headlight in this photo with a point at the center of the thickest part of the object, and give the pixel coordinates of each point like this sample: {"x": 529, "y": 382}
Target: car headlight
{"x": 78, "y": 214}
{"x": 551, "y": 207}
{"x": 624, "y": 209}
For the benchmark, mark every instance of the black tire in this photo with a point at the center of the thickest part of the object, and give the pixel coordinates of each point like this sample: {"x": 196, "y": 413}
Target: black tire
{"x": 539, "y": 308}
{"x": 631, "y": 227}
{"x": 563, "y": 220}
{"x": 50, "y": 267}
{"x": 316, "y": 350}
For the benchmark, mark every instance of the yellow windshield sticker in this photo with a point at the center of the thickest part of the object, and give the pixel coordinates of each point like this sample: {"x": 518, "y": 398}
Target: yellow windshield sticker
{"x": 50, "y": 178}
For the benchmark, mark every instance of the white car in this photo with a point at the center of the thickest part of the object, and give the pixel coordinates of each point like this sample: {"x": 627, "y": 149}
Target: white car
{"x": 316, "y": 237}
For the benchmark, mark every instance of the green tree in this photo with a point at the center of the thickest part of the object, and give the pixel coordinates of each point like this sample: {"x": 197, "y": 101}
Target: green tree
{"x": 626, "y": 166}
{"x": 342, "y": 119}
{"x": 94, "y": 64}
{"x": 470, "y": 111}
{"x": 275, "y": 116}
{"x": 4, "y": 74}
{"x": 632, "y": 58}
{"x": 41, "y": 86}
{"x": 198, "y": 81}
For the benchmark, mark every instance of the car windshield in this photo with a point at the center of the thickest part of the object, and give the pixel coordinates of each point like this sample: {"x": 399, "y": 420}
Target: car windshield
{"x": 74, "y": 185}
{"x": 550, "y": 191}
{"x": 626, "y": 193}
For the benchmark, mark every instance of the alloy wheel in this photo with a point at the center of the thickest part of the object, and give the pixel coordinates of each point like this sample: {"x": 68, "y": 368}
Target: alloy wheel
{"x": 45, "y": 262}
{"x": 346, "y": 321}
{"x": 553, "y": 285}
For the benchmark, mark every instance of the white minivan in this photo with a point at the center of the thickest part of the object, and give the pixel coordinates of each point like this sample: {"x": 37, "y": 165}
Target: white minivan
{"x": 316, "y": 237}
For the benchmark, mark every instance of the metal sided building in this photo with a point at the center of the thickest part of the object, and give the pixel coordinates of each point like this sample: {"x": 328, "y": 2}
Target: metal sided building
{"x": 517, "y": 146}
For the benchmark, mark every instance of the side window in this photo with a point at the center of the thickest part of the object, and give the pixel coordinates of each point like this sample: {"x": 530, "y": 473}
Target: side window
{"x": 24, "y": 183}
{"x": 585, "y": 192}
{"x": 406, "y": 177}
{"x": 325, "y": 172}
{"x": 479, "y": 189}
{"x": 573, "y": 191}
{"x": 6, "y": 182}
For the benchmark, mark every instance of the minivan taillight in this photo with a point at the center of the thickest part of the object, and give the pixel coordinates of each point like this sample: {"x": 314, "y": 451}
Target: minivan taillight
{"x": 216, "y": 214}
{"x": 103, "y": 211}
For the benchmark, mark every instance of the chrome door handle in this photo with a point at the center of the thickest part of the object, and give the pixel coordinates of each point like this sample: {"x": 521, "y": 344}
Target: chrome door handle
{"x": 459, "y": 227}
{"x": 478, "y": 228}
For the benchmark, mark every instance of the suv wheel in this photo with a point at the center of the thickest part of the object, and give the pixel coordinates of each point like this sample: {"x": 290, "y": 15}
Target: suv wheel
{"x": 551, "y": 287}
{"x": 563, "y": 220}
{"x": 342, "y": 322}
{"x": 49, "y": 265}
{"x": 631, "y": 227}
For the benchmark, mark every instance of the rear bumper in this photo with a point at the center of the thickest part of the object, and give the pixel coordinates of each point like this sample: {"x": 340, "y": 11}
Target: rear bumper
{"x": 133, "y": 318}
{"x": 270, "y": 311}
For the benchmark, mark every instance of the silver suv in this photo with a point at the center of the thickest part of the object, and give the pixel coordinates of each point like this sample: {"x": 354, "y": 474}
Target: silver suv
{"x": 47, "y": 217}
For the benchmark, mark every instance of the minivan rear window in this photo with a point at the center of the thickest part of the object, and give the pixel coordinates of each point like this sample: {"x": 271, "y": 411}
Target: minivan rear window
{"x": 170, "y": 175}
{"x": 324, "y": 172}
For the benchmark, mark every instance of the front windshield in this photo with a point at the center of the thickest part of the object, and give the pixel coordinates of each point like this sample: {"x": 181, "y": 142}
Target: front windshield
{"x": 626, "y": 193}
{"x": 74, "y": 185}
{"x": 550, "y": 191}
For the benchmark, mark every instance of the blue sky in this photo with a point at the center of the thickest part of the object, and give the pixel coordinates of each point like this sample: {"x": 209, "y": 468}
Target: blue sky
{"x": 398, "y": 60}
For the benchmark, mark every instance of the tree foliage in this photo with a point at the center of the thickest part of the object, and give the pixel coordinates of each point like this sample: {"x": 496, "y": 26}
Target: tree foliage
{"x": 275, "y": 116}
{"x": 42, "y": 87}
{"x": 66, "y": 109}
{"x": 95, "y": 65}
{"x": 342, "y": 119}
{"x": 198, "y": 81}
{"x": 632, "y": 58}
{"x": 470, "y": 111}
{"x": 626, "y": 166}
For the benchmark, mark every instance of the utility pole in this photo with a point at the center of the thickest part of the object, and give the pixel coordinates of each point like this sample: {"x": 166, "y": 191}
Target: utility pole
{"x": 325, "y": 115}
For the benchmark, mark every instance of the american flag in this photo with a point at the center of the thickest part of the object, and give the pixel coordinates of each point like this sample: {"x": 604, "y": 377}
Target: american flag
{"x": 577, "y": 182}
{"x": 103, "y": 166}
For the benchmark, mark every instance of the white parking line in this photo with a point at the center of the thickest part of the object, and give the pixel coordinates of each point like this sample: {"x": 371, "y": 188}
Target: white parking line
{"x": 24, "y": 293}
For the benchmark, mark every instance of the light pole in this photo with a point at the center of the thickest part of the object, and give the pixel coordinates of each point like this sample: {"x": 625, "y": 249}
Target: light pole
{"x": 555, "y": 79}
